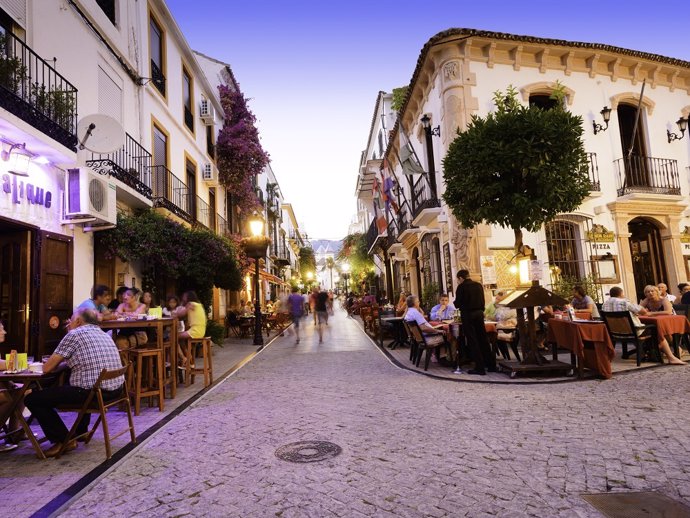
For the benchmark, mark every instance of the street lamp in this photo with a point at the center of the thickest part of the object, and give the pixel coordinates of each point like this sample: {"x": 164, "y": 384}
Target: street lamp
{"x": 429, "y": 132}
{"x": 346, "y": 275}
{"x": 255, "y": 247}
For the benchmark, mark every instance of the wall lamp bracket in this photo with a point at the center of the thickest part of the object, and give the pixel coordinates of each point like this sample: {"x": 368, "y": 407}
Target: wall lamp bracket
{"x": 606, "y": 115}
{"x": 682, "y": 126}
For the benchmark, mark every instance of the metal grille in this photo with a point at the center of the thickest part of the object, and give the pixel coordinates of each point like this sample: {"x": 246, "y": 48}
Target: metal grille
{"x": 643, "y": 504}
{"x": 431, "y": 261}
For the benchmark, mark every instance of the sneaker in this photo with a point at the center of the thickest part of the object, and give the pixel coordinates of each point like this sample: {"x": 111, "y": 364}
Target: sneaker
{"x": 7, "y": 446}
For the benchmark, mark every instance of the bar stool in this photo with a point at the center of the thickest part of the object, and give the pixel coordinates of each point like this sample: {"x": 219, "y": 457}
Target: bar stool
{"x": 153, "y": 358}
{"x": 190, "y": 351}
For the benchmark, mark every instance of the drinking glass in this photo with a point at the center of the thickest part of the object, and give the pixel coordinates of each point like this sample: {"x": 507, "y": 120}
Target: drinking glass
{"x": 29, "y": 359}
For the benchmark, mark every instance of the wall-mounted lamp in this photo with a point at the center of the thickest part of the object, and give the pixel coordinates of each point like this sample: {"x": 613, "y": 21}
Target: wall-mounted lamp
{"x": 426, "y": 124}
{"x": 18, "y": 158}
{"x": 606, "y": 115}
{"x": 682, "y": 126}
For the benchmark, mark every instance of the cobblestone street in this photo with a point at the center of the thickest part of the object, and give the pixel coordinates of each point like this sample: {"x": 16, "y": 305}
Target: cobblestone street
{"x": 411, "y": 446}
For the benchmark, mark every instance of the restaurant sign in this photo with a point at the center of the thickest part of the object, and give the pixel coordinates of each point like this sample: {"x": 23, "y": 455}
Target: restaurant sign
{"x": 25, "y": 192}
{"x": 600, "y": 234}
{"x": 685, "y": 235}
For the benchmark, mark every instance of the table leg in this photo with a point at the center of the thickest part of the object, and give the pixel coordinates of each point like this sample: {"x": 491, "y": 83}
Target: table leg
{"x": 18, "y": 396}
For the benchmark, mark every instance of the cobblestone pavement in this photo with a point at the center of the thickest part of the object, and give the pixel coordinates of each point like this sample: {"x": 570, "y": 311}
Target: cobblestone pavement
{"x": 412, "y": 446}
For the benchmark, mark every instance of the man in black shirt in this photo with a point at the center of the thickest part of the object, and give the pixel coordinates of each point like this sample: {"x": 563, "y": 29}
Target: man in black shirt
{"x": 321, "y": 309}
{"x": 469, "y": 299}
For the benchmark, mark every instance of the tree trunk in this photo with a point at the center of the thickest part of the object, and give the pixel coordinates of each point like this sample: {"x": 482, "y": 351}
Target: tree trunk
{"x": 518, "y": 239}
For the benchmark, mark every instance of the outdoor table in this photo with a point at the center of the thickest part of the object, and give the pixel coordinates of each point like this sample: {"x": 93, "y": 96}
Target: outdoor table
{"x": 583, "y": 315}
{"x": 159, "y": 324}
{"x": 574, "y": 336}
{"x": 668, "y": 326}
{"x": 399, "y": 334}
{"x": 28, "y": 380}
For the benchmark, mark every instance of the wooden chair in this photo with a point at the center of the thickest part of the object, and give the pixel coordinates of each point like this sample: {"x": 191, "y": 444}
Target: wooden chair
{"x": 95, "y": 404}
{"x": 622, "y": 329}
{"x": 149, "y": 376}
{"x": 232, "y": 324}
{"x": 426, "y": 343}
{"x": 191, "y": 348}
{"x": 682, "y": 309}
{"x": 410, "y": 339}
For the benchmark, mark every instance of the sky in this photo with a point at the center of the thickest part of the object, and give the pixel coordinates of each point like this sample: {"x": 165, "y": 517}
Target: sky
{"x": 312, "y": 69}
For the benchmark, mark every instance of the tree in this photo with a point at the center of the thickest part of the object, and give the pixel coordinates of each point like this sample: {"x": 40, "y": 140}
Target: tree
{"x": 307, "y": 261}
{"x": 330, "y": 264}
{"x": 518, "y": 168}
{"x": 354, "y": 251}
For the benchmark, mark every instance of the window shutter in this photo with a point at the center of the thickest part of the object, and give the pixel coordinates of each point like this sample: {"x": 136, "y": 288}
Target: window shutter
{"x": 17, "y": 11}
{"x": 109, "y": 96}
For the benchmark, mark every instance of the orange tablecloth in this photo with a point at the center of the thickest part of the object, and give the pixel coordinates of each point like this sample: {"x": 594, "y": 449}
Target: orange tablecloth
{"x": 668, "y": 325}
{"x": 572, "y": 335}
{"x": 584, "y": 315}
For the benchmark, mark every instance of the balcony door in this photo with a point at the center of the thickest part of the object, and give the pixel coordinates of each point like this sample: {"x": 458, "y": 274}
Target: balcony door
{"x": 636, "y": 168}
{"x": 190, "y": 167}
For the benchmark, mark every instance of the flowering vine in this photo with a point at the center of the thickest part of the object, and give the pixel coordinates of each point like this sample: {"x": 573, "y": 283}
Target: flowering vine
{"x": 240, "y": 157}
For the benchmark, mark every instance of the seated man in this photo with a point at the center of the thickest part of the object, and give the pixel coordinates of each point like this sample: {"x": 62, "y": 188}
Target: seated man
{"x": 99, "y": 301}
{"x": 618, "y": 302}
{"x": 444, "y": 310}
{"x": 87, "y": 351}
{"x": 414, "y": 313}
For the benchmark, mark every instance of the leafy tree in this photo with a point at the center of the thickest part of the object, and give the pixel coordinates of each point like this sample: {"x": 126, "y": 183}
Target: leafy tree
{"x": 330, "y": 264}
{"x": 399, "y": 95}
{"x": 307, "y": 260}
{"x": 354, "y": 251}
{"x": 518, "y": 168}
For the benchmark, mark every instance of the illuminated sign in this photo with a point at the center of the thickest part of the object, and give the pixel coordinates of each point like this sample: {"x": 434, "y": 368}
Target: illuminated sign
{"x": 25, "y": 192}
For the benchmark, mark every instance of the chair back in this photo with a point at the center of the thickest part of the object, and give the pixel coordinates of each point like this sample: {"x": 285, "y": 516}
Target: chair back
{"x": 682, "y": 309}
{"x": 406, "y": 327}
{"x": 415, "y": 331}
{"x": 232, "y": 319}
{"x": 619, "y": 324}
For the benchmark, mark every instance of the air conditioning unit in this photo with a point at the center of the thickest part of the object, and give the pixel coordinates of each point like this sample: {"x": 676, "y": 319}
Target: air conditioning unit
{"x": 90, "y": 198}
{"x": 208, "y": 173}
{"x": 206, "y": 112}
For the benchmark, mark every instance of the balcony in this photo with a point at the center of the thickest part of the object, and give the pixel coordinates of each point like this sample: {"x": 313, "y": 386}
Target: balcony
{"x": 157, "y": 77}
{"x": 131, "y": 165}
{"x": 647, "y": 176}
{"x": 33, "y": 90}
{"x": 279, "y": 254}
{"x": 203, "y": 212}
{"x": 170, "y": 192}
{"x": 425, "y": 205}
{"x": 593, "y": 171}
{"x": 374, "y": 237}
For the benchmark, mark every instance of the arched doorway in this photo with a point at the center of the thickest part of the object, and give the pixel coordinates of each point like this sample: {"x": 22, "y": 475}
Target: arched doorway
{"x": 649, "y": 266}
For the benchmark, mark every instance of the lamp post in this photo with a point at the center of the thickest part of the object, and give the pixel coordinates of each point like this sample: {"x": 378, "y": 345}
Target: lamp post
{"x": 429, "y": 132}
{"x": 255, "y": 247}
{"x": 346, "y": 275}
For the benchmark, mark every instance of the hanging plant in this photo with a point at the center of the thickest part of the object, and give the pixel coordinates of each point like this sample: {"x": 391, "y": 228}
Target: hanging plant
{"x": 240, "y": 157}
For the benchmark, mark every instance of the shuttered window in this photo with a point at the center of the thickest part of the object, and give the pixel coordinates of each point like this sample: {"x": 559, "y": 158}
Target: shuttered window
{"x": 109, "y": 96}
{"x": 16, "y": 9}
{"x": 160, "y": 147}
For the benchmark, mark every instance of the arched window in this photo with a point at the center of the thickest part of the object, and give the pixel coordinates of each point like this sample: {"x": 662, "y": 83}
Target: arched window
{"x": 431, "y": 256}
{"x": 562, "y": 248}
{"x": 543, "y": 101}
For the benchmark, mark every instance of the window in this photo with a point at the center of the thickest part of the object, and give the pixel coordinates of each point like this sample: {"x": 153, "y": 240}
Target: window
{"x": 562, "y": 248}
{"x": 160, "y": 147}
{"x": 210, "y": 145}
{"x": 187, "y": 99}
{"x": 190, "y": 168}
{"x": 542, "y": 101}
{"x": 157, "y": 54}
{"x": 159, "y": 173}
{"x": 109, "y": 96}
{"x": 212, "y": 208}
{"x": 108, "y": 8}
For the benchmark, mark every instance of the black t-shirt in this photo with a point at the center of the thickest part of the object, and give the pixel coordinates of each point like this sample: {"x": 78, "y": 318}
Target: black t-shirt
{"x": 321, "y": 300}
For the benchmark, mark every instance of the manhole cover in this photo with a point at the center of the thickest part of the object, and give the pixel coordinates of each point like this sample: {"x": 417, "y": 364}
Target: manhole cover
{"x": 308, "y": 451}
{"x": 637, "y": 505}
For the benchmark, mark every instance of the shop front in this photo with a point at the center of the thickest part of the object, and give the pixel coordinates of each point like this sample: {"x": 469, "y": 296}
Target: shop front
{"x": 36, "y": 259}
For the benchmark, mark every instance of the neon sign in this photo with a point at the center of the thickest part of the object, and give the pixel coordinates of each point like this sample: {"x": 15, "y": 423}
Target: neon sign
{"x": 24, "y": 191}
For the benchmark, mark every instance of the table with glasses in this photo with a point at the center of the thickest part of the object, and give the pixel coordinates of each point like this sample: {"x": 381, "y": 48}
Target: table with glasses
{"x": 159, "y": 325}
{"x": 24, "y": 381}
{"x": 588, "y": 341}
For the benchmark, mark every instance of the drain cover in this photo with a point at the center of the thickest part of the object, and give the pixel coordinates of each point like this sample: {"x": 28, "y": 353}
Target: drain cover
{"x": 308, "y": 451}
{"x": 637, "y": 505}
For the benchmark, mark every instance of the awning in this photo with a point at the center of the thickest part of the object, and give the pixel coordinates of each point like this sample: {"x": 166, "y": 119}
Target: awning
{"x": 263, "y": 274}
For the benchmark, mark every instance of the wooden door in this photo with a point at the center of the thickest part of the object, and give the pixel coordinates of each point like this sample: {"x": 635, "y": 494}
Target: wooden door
{"x": 53, "y": 288}
{"x": 104, "y": 267}
{"x": 15, "y": 308}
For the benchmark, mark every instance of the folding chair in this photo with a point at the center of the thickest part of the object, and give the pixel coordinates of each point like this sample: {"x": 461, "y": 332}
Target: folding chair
{"x": 95, "y": 404}
{"x": 622, "y": 329}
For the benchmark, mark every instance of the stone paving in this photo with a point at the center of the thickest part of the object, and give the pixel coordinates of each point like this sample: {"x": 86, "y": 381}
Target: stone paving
{"x": 411, "y": 445}
{"x": 27, "y": 483}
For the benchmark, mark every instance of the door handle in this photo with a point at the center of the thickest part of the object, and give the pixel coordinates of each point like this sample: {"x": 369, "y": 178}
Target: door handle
{"x": 25, "y": 312}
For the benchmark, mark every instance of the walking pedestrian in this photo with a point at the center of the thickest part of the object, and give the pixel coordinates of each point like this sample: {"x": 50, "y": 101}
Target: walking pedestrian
{"x": 321, "y": 310}
{"x": 469, "y": 299}
{"x": 295, "y": 304}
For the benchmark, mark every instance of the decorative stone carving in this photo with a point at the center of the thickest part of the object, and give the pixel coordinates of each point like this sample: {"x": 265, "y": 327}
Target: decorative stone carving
{"x": 464, "y": 245}
{"x": 450, "y": 70}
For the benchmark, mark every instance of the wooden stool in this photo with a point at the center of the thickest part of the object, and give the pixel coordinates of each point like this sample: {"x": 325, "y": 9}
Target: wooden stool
{"x": 154, "y": 384}
{"x": 190, "y": 350}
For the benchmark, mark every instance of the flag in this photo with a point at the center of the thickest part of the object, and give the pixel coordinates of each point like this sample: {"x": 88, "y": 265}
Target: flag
{"x": 408, "y": 158}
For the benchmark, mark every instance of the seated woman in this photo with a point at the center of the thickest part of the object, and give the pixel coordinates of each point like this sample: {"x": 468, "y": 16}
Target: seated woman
{"x": 131, "y": 308}
{"x": 583, "y": 303}
{"x": 490, "y": 309}
{"x": 506, "y": 319}
{"x": 654, "y": 303}
{"x": 169, "y": 311}
{"x": 191, "y": 308}
{"x": 401, "y": 306}
{"x": 147, "y": 300}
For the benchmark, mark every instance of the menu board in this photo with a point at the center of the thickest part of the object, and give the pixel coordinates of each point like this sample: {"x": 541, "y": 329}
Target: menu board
{"x": 446, "y": 264}
{"x": 488, "y": 266}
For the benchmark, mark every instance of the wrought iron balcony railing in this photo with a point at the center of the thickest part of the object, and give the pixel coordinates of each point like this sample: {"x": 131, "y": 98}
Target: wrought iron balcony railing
{"x": 222, "y": 228}
{"x": 594, "y": 184}
{"x": 422, "y": 197}
{"x": 202, "y": 211}
{"x": 157, "y": 77}
{"x": 131, "y": 165}
{"x": 643, "y": 174}
{"x": 279, "y": 254}
{"x": 35, "y": 92}
{"x": 170, "y": 192}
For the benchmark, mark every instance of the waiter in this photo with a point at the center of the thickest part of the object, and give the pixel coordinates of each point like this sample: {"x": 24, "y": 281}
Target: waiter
{"x": 469, "y": 299}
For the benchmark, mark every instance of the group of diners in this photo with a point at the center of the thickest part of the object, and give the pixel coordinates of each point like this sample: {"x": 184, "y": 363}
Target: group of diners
{"x": 87, "y": 349}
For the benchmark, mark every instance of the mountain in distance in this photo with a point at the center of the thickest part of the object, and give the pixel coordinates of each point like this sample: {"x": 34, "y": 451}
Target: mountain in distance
{"x": 330, "y": 245}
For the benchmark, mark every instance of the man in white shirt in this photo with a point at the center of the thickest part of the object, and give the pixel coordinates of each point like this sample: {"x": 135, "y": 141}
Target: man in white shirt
{"x": 413, "y": 314}
{"x": 663, "y": 291}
